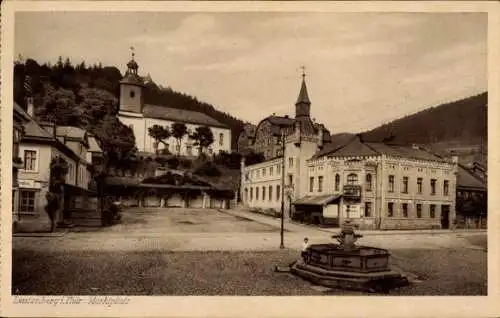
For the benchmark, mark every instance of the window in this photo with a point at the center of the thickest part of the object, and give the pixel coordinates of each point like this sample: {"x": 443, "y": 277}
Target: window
{"x": 258, "y": 173}
{"x": 290, "y": 162}
{"x": 405, "y": 185}
{"x": 337, "y": 182}
{"x": 30, "y": 160}
{"x": 278, "y": 192}
{"x": 446, "y": 187}
{"x": 221, "y": 139}
{"x": 246, "y": 194}
{"x": 256, "y": 193}
{"x": 368, "y": 182}
{"x": 251, "y": 194}
{"x": 263, "y": 193}
{"x": 419, "y": 185}
{"x": 27, "y": 203}
{"x": 270, "y": 193}
{"x": 432, "y": 211}
{"x": 404, "y": 207}
{"x": 390, "y": 209}
{"x": 290, "y": 179}
{"x": 368, "y": 209}
{"x": 419, "y": 211}
{"x": 311, "y": 184}
{"x": 433, "y": 186}
{"x": 391, "y": 183}
{"x": 177, "y": 148}
{"x": 278, "y": 169}
{"x": 352, "y": 179}
{"x": 320, "y": 184}
{"x": 271, "y": 171}
{"x": 263, "y": 172}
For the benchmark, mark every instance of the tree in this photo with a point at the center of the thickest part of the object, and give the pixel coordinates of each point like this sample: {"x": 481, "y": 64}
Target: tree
{"x": 159, "y": 134}
{"x": 117, "y": 141}
{"x": 58, "y": 172}
{"x": 179, "y": 130}
{"x": 203, "y": 138}
{"x": 96, "y": 104}
{"x": 59, "y": 106}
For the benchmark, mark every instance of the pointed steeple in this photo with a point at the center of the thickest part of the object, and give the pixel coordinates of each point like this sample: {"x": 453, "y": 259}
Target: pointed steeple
{"x": 303, "y": 104}
{"x": 303, "y": 96}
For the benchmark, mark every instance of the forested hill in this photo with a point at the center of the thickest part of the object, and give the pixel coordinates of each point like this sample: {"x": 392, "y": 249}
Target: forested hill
{"x": 66, "y": 75}
{"x": 462, "y": 122}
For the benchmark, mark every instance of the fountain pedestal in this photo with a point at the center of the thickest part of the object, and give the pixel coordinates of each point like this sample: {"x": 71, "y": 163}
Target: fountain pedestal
{"x": 346, "y": 265}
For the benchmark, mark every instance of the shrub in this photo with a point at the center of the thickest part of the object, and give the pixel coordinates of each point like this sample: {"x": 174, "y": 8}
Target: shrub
{"x": 208, "y": 169}
{"x": 185, "y": 163}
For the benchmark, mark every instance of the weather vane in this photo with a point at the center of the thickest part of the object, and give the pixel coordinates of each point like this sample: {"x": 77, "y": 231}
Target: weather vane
{"x": 303, "y": 68}
{"x": 132, "y": 51}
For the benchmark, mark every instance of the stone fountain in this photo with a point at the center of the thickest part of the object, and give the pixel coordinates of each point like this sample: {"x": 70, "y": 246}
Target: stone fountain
{"x": 348, "y": 266}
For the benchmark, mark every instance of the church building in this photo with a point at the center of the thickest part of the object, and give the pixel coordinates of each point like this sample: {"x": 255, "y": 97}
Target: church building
{"x": 139, "y": 116}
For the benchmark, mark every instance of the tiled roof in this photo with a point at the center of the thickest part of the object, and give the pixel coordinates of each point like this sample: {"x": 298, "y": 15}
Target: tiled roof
{"x": 357, "y": 148}
{"x": 317, "y": 199}
{"x": 70, "y": 131}
{"x": 404, "y": 151}
{"x": 180, "y": 115}
{"x": 93, "y": 145}
{"x": 33, "y": 130}
{"x": 467, "y": 180}
{"x": 306, "y": 124}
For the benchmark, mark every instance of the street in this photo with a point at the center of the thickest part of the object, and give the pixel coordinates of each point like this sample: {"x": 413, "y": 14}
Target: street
{"x": 210, "y": 252}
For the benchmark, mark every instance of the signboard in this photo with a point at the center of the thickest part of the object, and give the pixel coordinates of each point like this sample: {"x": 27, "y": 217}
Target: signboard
{"x": 352, "y": 192}
{"x": 351, "y": 211}
{"x": 30, "y": 184}
{"x": 331, "y": 211}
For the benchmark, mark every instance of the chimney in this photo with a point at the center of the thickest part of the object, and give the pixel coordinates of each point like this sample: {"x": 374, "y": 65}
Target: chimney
{"x": 320, "y": 137}
{"x": 30, "y": 103}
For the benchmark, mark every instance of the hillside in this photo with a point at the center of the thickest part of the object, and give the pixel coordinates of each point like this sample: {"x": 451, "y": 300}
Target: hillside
{"x": 459, "y": 123}
{"x": 459, "y": 127}
{"x": 65, "y": 75}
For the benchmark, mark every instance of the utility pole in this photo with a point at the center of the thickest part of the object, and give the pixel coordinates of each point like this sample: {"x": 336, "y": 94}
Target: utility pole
{"x": 282, "y": 244}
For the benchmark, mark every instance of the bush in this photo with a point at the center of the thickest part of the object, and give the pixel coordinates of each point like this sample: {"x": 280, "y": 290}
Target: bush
{"x": 185, "y": 163}
{"x": 173, "y": 162}
{"x": 208, "y": 169}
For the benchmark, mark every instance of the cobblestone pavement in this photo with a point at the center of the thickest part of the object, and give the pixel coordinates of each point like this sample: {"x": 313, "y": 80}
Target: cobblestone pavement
{"x": 212, "y": 230}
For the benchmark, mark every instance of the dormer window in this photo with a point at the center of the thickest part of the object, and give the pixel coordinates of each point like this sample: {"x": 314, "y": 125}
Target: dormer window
{"x": 132, "y": 94}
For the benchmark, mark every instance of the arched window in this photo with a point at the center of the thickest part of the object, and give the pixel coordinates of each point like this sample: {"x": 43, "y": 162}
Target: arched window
{"x": 337, "y": 182}
{"x": 352, "y": 179}
{"x": 368, "y": 182}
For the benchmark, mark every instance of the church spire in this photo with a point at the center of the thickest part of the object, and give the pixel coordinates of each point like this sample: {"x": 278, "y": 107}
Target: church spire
{"x": 132, "y": 65}
{"x": 303, "y": 104}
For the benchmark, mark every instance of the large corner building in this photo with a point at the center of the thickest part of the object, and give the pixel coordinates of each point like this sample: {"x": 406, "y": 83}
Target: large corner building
{"x": 378, "y": 185}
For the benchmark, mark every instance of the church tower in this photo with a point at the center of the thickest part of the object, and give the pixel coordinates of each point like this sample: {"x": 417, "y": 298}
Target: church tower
{"x": 303, "y": 104}
{"x": 131, "y": 88}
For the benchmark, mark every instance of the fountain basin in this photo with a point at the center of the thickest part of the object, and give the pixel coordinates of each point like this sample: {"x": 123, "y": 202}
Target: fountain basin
{"x": 361, "y": 259}
{"x": 360, "y": 268}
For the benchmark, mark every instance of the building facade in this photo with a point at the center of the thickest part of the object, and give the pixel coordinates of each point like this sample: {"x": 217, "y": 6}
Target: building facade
{"x": 41, "y": 143}
{"x": 377, "y": 185}
{"x": 140, "y": 117}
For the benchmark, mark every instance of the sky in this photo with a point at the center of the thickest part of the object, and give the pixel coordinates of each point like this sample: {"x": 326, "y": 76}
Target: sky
{"x": 362, "y": 69}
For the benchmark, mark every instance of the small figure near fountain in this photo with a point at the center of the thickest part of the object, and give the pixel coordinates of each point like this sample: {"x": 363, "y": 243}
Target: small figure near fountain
{"x": 305, "y": 247}
{"x": 347, "y": 265}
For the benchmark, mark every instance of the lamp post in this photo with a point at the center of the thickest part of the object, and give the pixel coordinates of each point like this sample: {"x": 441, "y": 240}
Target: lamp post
{"x": 282, "y": 244}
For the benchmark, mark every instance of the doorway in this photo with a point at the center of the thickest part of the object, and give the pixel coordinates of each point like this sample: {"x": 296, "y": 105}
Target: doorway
{"x": 445, "y": 216}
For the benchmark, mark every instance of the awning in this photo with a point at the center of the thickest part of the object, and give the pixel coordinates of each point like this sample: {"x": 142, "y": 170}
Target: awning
{"x": 317, "y": 199}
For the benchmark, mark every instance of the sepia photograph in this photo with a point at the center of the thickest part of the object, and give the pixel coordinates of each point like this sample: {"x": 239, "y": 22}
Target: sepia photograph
{"x": 249, "y": 153}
